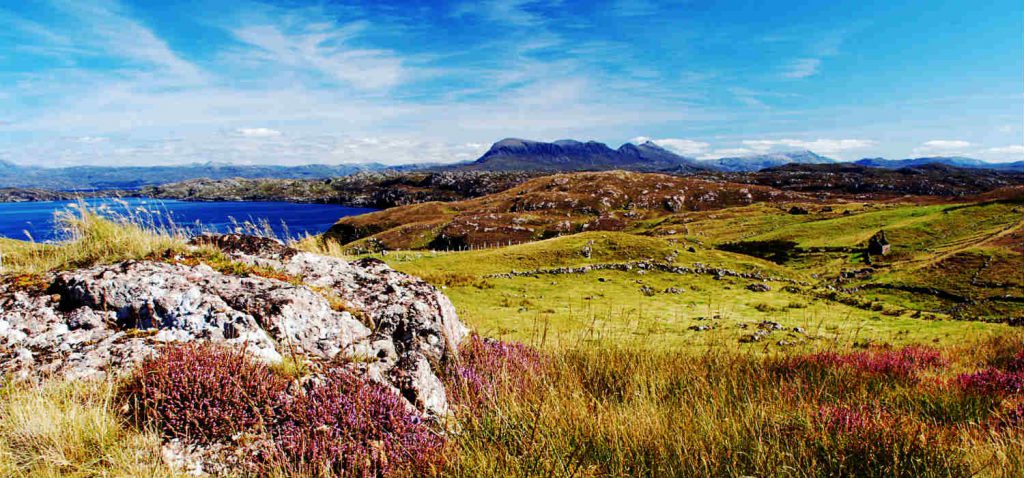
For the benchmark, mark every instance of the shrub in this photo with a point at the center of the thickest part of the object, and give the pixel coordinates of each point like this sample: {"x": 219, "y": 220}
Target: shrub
{"x": 346, "y": 426}
{"x": 870, "y": 441}
{"x": 992, "y": 381}
{"x": 903, "y": 363}
{"x": 487, "y": 366}
{"x": 204, "y": 393}
{"x": 1007, "y": 377}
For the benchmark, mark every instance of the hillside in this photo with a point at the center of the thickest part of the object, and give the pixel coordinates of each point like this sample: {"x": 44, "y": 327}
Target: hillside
{"x": 551, "y": 206}
{"x": 974, "y": 240}
{"x": 382, "y": 189}
{"x": 867, "y": 182}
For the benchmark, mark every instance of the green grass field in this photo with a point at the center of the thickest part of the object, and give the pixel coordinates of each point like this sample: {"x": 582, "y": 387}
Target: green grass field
{"x": 613, "y": 305}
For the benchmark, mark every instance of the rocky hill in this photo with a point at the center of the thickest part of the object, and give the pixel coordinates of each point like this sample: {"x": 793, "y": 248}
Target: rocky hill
{"x": 126, "y": 177}
{"x": 34, "y": 194}
{"x": 368, "y": 189}
{"x": 550, "y": 206}
{"x": 513, "y": 154}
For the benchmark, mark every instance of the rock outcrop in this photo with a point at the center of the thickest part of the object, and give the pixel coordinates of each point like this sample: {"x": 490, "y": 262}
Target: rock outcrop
{"x": 388, "y": 326}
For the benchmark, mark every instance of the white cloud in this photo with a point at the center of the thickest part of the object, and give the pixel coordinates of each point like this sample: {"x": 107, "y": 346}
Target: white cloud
{"x": 92, "y": 139}
{"x": 311, "y": 45}
{"x": 106, "y": 27}
{"x": 942, "y": 146}
{"x": 258, "y": 132}
{"x": 221, "y": 148}
{"x": 827, "y": 147}
{"x": 513, "y": 12}
{"x": 801, "y": 68}
{"x": 1012, "y": 149}
{"x": 727, "y": 153}
{"x": 1013, "y": 152}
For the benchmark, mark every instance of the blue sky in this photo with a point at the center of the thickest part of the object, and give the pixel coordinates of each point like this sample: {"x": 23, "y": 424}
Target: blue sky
{"x": 145, "y": 82}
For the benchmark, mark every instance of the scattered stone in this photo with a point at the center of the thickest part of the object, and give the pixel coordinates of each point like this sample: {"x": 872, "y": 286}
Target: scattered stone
{"x": 798, "y": 210}
{"x": 759, "y": 287}
{"x": 587, "y": 249}
{"x": 757, "y": 336}
{"x": 799, "y": 330}
{"x": 769, "y": 325}
{"x": 699, "y": 328}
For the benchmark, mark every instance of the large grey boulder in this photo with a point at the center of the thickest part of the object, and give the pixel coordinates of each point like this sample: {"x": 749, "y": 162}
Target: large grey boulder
{"x": 101, "y": 320}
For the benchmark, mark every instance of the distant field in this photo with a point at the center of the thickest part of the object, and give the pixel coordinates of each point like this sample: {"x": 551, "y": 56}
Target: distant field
{"x": 634, "y": 307}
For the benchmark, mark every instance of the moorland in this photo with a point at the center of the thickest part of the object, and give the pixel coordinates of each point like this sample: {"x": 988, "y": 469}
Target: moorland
{"x": 808, "y": 320}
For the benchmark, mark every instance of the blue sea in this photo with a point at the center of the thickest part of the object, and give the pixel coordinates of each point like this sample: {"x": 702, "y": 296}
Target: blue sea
{"x": 286, "y": 220}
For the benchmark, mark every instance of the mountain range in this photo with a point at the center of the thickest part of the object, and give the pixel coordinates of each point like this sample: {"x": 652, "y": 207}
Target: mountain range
{"x": 955, "y": 161}
{"x": 509, "y": 154}
{"x": 512, "y": 154}
{"x": 758, "y": 162}
{"x": 570, "y": 155}
{"x": 130, "y": 177}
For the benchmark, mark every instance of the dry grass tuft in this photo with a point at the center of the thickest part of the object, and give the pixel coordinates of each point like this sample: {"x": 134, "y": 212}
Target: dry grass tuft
{"x": 72, "y": 430}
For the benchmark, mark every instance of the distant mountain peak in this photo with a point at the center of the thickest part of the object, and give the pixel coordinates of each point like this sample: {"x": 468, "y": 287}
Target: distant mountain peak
{"x": 757, "y": 162}
{"x": 574, "y": 155}
{"x": 954, "y": 161}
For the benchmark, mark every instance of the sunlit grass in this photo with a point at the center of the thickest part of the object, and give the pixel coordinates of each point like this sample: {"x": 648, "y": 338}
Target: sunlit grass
{"x": 72, "y": 429}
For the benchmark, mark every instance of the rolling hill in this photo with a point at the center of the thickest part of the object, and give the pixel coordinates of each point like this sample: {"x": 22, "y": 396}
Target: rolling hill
{"x": 550, "y": 206}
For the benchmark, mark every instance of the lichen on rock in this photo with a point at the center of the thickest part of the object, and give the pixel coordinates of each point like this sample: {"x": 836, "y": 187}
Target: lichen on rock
{"x": 105, "y": 319}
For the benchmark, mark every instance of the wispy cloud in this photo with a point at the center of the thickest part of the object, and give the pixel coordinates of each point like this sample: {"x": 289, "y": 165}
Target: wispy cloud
{"x": 802, "y": 68}
{"x": 828, "y": 147}
{"x": 258, "y": 132}
{"x": 515, "y": 12}
{"x": 942, "y": 146}
{"x": 1015, "y": 149}
{"x": 330, "y": 82}
{"x": 107, "y": 27}
{"x": 1013, "y": 152}
{"x": 324, "y": 49}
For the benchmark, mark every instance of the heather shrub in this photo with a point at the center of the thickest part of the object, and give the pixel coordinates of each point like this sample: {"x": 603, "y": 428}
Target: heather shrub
{"x": 204, "y": 393}
{"x": 1004, "y": 377}
{"x": 992, "y": 381}
{"x": 862, "y": 440}
{"x": 487, "y": 366}
{"x": 903, "y": 363}
{"x": 348, "y": 427}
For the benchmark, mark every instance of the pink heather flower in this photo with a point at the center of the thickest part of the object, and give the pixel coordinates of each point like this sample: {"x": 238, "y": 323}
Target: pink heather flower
{"x": 486, "y": 366}
{"x": 904, "y": 362}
